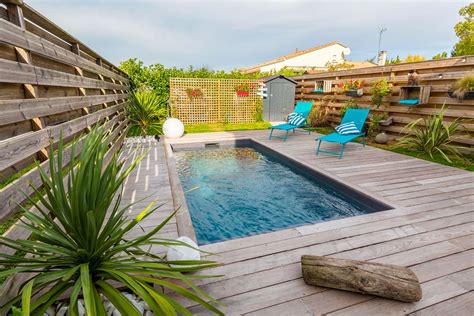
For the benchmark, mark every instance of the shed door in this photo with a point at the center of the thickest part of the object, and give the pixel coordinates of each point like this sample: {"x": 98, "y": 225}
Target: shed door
{"x": 279, "y": 107}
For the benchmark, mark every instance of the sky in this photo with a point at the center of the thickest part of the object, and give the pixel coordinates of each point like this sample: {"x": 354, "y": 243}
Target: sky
{"x": 229, "y": 34}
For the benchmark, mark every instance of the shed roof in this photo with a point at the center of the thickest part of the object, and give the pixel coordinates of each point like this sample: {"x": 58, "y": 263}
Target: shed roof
{"x": 270, "y": 78}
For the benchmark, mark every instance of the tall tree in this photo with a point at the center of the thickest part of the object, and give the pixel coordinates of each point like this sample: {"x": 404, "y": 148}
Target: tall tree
{"x": 465, "y": 31}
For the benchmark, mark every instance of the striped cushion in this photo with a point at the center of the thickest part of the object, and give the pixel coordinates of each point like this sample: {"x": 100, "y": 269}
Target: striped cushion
{"x": 347, "y": 129}
{"x": 292, "y": 115}
{"x": 296, "y": 120}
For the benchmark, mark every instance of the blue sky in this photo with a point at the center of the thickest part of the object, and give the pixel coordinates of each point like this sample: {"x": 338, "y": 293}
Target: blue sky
{"x": 232, "y": 34}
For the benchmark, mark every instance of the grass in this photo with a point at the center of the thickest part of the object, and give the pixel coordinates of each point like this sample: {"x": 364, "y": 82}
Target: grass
{"x": 467, "y": 163}
{"x": 221, "y": 127}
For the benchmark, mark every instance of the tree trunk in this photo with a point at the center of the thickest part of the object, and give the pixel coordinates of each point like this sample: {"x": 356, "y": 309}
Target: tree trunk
{"x": 390, "y": 281}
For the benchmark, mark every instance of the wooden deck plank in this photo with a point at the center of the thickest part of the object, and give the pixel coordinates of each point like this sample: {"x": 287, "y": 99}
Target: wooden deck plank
{"x": 461, "y": 305}
{"x": 433, "y": 235}
{"x": 434, "y": 292}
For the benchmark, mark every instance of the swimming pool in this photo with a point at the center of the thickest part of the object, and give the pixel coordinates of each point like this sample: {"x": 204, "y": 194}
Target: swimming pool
{"x": 247, "y": 190}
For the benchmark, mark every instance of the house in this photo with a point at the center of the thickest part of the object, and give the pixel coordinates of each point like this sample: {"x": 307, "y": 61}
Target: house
{"x": 315, "y": 58}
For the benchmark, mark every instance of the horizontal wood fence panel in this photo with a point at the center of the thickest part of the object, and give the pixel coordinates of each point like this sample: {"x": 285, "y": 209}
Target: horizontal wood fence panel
{"x": 34, "y": 16}
{"x": 423, "y": 65}
{"x": 13, "y": 35}
{"x": 17, "y": 110}
{"x": 51, "y": 85}
{"x": 437, "y": 75}
{"x": 18, "y": 148}
{"x": 16, "y": 191}
{"x": 16, "y": 72}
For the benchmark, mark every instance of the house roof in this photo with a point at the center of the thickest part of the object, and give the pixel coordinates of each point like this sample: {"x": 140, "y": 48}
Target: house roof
{"x": 361, "y": 64}
{"x": 292, "y": 55}
{"x": 270, "y": 78}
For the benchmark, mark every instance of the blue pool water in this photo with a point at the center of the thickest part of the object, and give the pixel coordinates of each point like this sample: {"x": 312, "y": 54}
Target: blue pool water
{"x": 237, "y": 192}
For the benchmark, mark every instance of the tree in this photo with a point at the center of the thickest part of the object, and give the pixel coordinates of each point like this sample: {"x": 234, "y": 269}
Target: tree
{"x": 393, "y": 61}
{"x": 440, "y": 55}
{"x": 413, "y": 58}
{"x": 465, "y": 31}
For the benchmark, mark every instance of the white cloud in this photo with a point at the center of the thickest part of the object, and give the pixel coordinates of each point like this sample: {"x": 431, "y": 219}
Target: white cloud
{"x": 230, "y": 34}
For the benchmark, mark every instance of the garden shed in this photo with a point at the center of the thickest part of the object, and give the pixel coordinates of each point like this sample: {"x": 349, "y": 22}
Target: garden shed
{"x": 280, "y": 98}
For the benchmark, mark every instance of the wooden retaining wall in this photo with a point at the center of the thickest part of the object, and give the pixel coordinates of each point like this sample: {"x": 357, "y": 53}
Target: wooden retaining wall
{"x": 438, "y": 74}
{"x": 51, "y": 84}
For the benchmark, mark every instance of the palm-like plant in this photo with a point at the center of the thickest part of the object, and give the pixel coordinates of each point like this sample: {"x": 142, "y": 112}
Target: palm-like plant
{"x": 433, "y": 136}
{"x": 146, "y": 111}
{"x": 79, "y": 247}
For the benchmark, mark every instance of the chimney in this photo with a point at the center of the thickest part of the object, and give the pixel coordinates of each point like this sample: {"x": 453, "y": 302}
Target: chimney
{"x": 382, "y": 58}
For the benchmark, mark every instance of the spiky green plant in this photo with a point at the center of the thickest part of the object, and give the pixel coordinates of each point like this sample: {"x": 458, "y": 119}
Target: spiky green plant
{"x": 433, "y": 136}
{"x": 146, "y": 112}
{"x": 79, "y": 247}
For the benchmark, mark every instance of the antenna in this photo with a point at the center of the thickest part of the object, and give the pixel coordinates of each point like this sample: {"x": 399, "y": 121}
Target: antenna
{"x": 382, "y": 29}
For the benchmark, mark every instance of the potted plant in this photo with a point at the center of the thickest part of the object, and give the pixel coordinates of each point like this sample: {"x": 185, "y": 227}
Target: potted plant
{"x": 242, "y": 90}
{"x": 463, "y": 88}
{"x": 353, "y": 88}
{"x": 194, "y": 93}
{"x": 379, "y": 89}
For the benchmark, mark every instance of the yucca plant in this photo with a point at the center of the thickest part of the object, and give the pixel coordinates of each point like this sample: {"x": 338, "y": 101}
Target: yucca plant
{"x": 433, "y": 136}
{"x": 146, "y": 112}
{"x": 79, "y": 248}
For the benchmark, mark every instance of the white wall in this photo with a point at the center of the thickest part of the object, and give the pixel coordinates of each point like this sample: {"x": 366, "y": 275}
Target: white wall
{"x": 318, "y": 58}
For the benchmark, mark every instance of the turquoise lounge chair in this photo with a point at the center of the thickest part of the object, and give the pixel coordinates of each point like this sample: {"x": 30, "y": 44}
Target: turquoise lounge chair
{"x": 302, "y": 107}
{"x": 358, "y": 116}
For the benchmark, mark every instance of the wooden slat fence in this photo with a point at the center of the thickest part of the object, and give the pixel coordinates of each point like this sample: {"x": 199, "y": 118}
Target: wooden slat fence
{"x": 215, "y": 100}
{"x": 51, "y": 84}
{"x": 438, "y": 74}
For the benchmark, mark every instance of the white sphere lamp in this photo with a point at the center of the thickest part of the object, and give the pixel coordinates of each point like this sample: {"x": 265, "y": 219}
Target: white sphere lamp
{"x": 173, "y": 128}
{"x": 178, "y": 252}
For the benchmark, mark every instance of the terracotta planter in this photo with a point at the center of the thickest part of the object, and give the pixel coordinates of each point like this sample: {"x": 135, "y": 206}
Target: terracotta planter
{"x": 243, "y": 93}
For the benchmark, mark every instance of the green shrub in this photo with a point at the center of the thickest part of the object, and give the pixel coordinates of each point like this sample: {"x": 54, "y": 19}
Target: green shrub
{"x": 146, "y": 112}
{"x": 350, "y": 104}
{"x": 259, "y": 111}
{"x": 379, "y": 89}
{"x": 463, "y": 85}
{"x": 433, "y": 136}
{"x": 78, "y": 245}
{"x": 374, "y": 125}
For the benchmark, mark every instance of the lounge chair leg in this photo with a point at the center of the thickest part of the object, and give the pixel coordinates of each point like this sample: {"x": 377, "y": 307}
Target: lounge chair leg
{"x": 342, "y": 151}
{"x": 286, "y": 136}
{"x": 319, "y": 145}
{"x": 363, "y": 141}
{"x": 271, "y": 132}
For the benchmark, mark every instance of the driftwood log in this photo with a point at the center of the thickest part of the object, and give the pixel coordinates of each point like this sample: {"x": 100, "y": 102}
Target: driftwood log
{"x": 390, "y": 281}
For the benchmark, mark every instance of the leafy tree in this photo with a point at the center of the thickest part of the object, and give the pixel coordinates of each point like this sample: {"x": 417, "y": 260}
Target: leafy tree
{"x": 156, "y": 76}
{"x": 394, "y": 61}
{"x": 465, "y": 31}
{"x": 440, "y": 55}
{"x": 413, "y": 58}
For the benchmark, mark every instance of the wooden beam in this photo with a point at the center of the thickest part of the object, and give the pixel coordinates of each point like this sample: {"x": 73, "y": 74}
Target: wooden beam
{"x": 15, "y": 13}
{"x": 75, "y": 48}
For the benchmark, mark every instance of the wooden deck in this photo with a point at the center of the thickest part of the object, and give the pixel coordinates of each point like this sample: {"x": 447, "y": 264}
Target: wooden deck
{"x": 430, "y": 230}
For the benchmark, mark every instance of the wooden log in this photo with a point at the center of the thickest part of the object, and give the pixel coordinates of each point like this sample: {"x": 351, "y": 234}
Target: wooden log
{"x": 390, "y": 281}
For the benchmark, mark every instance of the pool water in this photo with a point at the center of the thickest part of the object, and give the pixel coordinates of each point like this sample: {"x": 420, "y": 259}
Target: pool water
{"x": 237, "y": 192}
